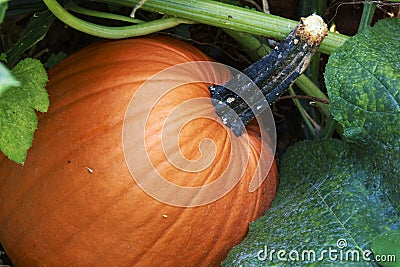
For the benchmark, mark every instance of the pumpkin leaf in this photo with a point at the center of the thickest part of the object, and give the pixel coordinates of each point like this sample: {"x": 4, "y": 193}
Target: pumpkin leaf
{"x": 18, "y": 120}
{"x": 336, "y": 196}
{"x": 362, "y": 78}
{"x": 386, "y": 248}
{"x": 390, "y": 159}
{"x": 330, "y": 199}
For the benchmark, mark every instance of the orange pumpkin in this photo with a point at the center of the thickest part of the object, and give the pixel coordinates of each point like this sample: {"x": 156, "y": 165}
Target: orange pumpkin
{"x": 75, "y": 203}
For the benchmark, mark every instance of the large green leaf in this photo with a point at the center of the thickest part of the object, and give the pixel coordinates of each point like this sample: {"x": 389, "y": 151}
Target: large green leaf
{"x": 337, "y": 196}
{"x": 18, "y": 119}
{"x": 363, "y": 82}
{"x": 330, "y": 196}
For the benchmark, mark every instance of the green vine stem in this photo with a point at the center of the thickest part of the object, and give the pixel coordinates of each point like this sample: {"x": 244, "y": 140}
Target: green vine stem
{"x": 367, "y": 15}
{"x": 71, "y": 6}
{"x": 228, "y": 16}
{"x": 330, "y": 127}
{"x": 111, "y": 32}
{"x": 306, "y": 118}
{"x": 310, "y": 89}
{"x": 252, "y": 46}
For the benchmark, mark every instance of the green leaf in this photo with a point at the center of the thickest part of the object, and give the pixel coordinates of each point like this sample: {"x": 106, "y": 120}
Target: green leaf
{"x": 390, "y": 159}
{"x": 3, "y": 57}
{"x": 386, "y": 248}
{"x": 18, "y": 120}
{"x": 330, "y": 198}
{"x": 3, "y": 8}
{"x": 362, "y": 78}
{"x": 6, "y": 79}
{"x": 33, "y": 33}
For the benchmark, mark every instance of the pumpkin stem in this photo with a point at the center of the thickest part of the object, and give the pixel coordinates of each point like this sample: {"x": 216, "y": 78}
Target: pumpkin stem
{"x": 238, "y": 101}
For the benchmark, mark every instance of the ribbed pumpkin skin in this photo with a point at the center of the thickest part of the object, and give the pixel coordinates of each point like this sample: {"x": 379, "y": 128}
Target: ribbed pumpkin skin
{"x": 54, "y": 212}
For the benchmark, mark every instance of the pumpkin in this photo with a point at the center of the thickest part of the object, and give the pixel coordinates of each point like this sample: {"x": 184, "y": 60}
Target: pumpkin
{"x": 74, "y": 201}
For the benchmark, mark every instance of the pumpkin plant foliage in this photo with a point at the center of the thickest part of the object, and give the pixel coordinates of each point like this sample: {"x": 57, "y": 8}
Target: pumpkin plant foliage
{"x": 363, "y": 82}
{"x": 18, "y": 119}
{"x": 340, "y": 195}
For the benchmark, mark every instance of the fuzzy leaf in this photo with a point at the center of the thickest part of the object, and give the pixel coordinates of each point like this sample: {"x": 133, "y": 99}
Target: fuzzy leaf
{"x": 18, "y": 120}
{"x": 362, "y": 78}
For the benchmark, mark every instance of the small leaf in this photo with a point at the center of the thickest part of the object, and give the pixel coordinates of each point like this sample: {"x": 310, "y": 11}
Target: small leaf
{"x": 18, "y": 120}
{"x": 6, "y": 79}
{"x": 33, "y": 77}
{"x": 3, "y": 57}
{"x": 386, "y": 248}
{"x": 362, "y": 78}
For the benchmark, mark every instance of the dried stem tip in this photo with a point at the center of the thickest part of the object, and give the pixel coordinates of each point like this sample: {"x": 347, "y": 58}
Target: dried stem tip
{"x": 312, "y": 29}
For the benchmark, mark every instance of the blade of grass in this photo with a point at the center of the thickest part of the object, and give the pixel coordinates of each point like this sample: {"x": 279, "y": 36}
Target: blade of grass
{"x": 33, "y": 33}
